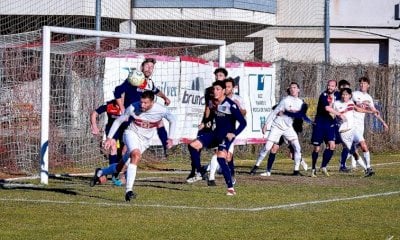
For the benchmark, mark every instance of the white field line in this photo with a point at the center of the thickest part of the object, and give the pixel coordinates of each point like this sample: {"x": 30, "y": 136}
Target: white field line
{"x": 153, "y": 172}
{"x": 258, "y": 209}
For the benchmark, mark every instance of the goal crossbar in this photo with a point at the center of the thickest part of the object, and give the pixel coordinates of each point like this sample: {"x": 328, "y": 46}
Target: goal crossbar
{"x": 45, "y": 110}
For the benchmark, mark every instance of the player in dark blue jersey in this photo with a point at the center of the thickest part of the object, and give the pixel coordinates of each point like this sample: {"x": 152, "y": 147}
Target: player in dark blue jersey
{"x": 325, "y": 128}
{"x": 226, "y": 113}
{"x": 126, "y": 94}
{"x": 206, "y": 124}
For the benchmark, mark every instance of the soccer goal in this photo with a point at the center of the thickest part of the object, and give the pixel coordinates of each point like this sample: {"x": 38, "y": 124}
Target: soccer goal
{"x": 56, "y": 77}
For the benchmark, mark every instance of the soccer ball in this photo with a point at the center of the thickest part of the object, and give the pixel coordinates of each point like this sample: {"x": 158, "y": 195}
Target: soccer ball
{"x": 136, "y": 78}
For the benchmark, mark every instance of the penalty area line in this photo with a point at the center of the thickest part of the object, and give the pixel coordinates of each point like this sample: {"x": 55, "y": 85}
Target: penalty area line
{"x": 258, "y": 209}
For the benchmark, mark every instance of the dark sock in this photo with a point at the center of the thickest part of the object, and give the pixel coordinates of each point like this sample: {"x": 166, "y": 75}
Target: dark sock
{"x": 231, "y": 166}
{"x": 271, "y": 159}
{"x": 225, "y": 171}
{"x": 162, "y": 134}
{"x": 195, "y": 156}
{"x": 343, "y": 157}
{"x": 326, "y": 157}
{"x": 314, "y": 157}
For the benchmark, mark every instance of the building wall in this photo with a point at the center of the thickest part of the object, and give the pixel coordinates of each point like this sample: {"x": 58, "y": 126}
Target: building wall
{"x": 268, "y": 6}
{"x": 372, "y": 13}
{"x": 359, "y": 32}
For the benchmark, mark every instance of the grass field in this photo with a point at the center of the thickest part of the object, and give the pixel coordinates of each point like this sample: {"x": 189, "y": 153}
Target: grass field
{"x": 342, "y": 206}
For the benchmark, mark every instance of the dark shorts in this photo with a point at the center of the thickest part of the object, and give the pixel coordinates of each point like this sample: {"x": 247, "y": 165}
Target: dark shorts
{"x": 212, "y": 140}
{"x": 338, "y": 138}
{"x": 323, "y": 132}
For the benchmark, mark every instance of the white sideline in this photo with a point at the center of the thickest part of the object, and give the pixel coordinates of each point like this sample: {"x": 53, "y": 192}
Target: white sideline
{"x": 153, "y": 172}
{"x": 258, "y": 209}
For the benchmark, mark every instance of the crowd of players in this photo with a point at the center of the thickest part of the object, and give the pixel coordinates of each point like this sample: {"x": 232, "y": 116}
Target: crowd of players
{"x": 134, "y": 117}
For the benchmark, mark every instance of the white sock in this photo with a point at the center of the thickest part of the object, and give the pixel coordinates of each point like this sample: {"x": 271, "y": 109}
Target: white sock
{"x": 361, "y": 163}
{"x": 130, "y": 176}
{"x": 297, "y": 163}
{"x": 264, "y": 152}
{"x": 353, "y": 162}
{"x": 367, "y": 159}
{"x": 213, "y": 167}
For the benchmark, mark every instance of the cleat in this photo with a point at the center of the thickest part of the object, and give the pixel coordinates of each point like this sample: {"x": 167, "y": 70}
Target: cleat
{"x": 211, "y": 183}
{"x": 95, "y": 180}
{"x": 296, "y": 173}
{"x": 369, "y": 172}
{"x": 253, "y": 171}
{"x": 117, "y": 182}
{"x": 344, "y": 169}
{"x": 313, "y": 173}
{"x": 197, "y": 177}
{"x": 325, "y": 171}
{"x": 230, "y": 192}
{"x": 266, "y": 174}
{"x": 130, "y": 195}
{"x": 304, "y": 165}
{"x": 191, "y": 174}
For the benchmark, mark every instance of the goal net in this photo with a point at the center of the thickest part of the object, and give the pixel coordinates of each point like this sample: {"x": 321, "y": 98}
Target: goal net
{"x": 53, "y": 79}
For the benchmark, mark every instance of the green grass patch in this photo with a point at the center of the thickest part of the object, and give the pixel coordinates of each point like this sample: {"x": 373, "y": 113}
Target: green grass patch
{"x": 342, "y": 206}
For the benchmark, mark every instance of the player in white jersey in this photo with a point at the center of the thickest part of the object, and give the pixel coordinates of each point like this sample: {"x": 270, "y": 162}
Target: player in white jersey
{"x": 363, "y": 100}
{"x": 214, "y": 166}
{"x": 298, "y": 120}
{"x": 345, "y": 111}
{"x": 146, "y": 116}
{"x": 281, "y": 124}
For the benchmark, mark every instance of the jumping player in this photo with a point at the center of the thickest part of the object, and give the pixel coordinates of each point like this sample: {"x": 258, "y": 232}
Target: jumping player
{"x": 126, "y": 94}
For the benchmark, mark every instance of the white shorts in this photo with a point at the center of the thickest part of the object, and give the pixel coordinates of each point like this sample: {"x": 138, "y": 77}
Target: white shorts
{"x": 133, "y": 141}
{"x": 275, "y": 134}
{"x": 358, "y": 132}
{"x": 347, "y": 138}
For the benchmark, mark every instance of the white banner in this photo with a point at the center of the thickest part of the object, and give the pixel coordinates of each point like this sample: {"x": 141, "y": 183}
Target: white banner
{"x": 184, "y": 80}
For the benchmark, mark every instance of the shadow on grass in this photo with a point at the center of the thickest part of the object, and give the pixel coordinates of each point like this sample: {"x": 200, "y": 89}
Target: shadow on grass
{"x": 6, "y": 185}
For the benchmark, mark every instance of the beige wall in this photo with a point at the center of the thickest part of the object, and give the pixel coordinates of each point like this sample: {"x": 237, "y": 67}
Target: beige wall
{"x": 305, "y": 42}
{"x": 378, "y": 13}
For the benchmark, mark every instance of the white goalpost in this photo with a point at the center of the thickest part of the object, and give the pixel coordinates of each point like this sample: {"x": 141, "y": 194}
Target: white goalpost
{"x": 46, "y": 107}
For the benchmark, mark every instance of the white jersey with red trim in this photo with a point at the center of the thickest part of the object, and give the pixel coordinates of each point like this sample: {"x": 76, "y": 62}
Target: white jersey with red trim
{"x": 347, "y": 109}
{"x": 363, "y": 100}
{"x": 144, "y": 123}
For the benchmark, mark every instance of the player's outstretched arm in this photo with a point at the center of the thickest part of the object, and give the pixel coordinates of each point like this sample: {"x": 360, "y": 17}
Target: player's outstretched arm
{"x": 385, "y": 126}
{"x": 164, "y": 97}
{"x": 93, "y": 123}
{"x": 172, "y": 128}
